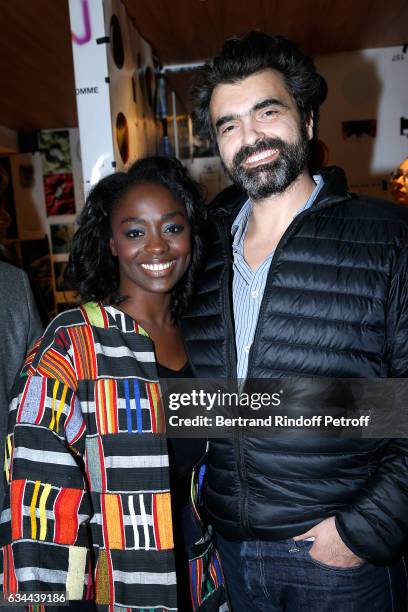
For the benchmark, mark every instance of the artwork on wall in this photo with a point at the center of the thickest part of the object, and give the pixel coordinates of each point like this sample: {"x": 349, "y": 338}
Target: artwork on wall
{"x": 37, "y": 210}
{"x": 61, "y": 237}
{"x": 362, "y": 127}
{"x": 56, "y": 152}
{"x": 54, "y": 146}
{"x": 26, "y": 176}
{"x": 59, "y": 270}
{"x": 8, "y": 223}
{"x": 59, "y": 194}
{"x": 28, "y": 186}
{"x": 37, "y": 263}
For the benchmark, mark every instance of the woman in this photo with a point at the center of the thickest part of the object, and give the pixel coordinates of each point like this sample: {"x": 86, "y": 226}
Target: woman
{"x": 87, "y": 463}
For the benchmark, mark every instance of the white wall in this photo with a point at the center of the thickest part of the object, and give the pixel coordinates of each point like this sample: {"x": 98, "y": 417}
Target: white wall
{"x": 368, "y": 84}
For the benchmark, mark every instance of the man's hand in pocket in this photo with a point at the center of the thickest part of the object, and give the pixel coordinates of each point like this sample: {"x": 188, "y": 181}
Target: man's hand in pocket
{"x": 328, "y": 547}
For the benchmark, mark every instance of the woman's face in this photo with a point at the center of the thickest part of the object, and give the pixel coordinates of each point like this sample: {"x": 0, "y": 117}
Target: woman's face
{"x": 151, "y": 239}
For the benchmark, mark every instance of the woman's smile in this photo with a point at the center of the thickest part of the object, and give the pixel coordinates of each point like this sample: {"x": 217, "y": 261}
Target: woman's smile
{"x": 158, "y": 269}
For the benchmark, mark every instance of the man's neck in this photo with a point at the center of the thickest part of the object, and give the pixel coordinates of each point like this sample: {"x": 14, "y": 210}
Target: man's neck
{"x": 271, "y": 217}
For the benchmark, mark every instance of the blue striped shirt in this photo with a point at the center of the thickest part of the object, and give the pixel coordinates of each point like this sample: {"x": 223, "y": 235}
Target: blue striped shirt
{"x": 248, "y": 285}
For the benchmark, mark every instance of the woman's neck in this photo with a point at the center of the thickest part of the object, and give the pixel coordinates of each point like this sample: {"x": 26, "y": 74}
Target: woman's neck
{"x": 150, "y": 311}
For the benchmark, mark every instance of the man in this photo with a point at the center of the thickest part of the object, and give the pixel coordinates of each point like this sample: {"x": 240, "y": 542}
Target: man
{"x": 399, "y": 183}
{"x": 20, "y": 327}
{"x": 302, "y": 279}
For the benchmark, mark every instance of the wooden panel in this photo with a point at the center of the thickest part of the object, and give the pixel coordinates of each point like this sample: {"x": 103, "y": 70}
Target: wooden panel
{"x": 188, "y": 30}
{"x": 37, "y": 78}
{"x": 36, "y": 58}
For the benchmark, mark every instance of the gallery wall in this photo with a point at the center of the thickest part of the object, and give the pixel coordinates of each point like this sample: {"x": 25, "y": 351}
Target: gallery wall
{"x": 41, "y": 194}
{"x": 364, "y": 121}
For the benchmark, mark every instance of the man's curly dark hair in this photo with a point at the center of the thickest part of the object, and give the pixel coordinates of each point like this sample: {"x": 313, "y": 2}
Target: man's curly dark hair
{"x": 92, "y": 271}
{"x": 243, "y": 56}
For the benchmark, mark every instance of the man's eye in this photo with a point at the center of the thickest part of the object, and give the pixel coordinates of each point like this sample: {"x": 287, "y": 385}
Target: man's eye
{"x": 269, "y": 113}
{"x": 173, "y": 228}
{"x": 227, "y": 129}
{"x": 134, "y": 233}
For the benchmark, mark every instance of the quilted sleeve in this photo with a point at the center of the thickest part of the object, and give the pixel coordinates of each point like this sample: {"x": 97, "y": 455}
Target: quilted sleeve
{"x": 375, "y": 526}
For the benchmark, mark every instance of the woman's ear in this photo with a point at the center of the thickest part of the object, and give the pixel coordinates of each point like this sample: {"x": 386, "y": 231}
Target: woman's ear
{"x": 112, "y": 247}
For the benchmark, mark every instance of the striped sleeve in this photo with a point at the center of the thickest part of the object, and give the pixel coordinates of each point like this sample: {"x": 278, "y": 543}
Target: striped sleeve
{"x": 44, "y": 539}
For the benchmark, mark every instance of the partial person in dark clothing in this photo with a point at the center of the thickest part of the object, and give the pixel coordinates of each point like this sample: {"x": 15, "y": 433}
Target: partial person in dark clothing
{"x": 302, "y": 279}
{"x": 20, "y": 327}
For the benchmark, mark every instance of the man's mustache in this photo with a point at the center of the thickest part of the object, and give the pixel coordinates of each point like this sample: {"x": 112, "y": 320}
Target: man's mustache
{"x": 258, "y": 147}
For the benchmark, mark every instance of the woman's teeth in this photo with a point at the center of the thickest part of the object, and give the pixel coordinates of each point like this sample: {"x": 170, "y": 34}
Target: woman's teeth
{"x": 159, "y": 266}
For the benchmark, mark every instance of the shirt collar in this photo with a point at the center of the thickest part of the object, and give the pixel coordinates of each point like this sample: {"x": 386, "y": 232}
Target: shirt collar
{"x": 240, "y": 225}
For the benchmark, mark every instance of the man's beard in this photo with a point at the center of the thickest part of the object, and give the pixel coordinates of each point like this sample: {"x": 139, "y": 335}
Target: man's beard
{"x": 271, "y": 178}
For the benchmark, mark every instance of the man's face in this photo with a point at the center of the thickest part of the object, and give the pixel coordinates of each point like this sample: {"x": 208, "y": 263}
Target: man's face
{"x": 399, "y": 183}
{"x": 262, "y": 142}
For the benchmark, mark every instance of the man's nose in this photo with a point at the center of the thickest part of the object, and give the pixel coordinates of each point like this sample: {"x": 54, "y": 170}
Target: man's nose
{"x": 252, "y": 131}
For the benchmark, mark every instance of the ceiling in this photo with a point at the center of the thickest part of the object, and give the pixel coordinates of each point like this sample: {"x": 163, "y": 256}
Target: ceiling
{"x": 191, "y": 30}
{"x": 36, "y": 70}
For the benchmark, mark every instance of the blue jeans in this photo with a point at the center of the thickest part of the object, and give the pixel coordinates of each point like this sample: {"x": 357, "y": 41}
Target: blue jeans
{"x": 281, "y": 576}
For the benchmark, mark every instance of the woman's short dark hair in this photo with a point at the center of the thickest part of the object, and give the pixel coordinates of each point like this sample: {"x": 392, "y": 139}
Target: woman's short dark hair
{"x": 243, "y": 56}
{"x": 92, "y": 271}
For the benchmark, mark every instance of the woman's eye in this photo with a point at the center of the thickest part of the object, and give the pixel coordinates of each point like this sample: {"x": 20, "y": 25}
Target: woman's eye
{"x": 173, "y": 228}
{"x": 134, "y": 233}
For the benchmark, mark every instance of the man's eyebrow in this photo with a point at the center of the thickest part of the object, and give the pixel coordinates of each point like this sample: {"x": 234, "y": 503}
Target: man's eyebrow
{"x": 258, "y": 106}
{"x": 269, "y": 102}
{"x": 225, "y": 119}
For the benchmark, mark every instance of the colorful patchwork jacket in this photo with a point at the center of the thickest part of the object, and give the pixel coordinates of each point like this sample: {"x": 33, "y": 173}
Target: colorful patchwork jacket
{"x": 87, "y": 508}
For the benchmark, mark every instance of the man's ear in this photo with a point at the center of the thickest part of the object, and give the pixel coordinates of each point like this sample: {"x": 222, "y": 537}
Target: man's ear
{"x": 309, "y": 126}
{"x": 112, "y": 247}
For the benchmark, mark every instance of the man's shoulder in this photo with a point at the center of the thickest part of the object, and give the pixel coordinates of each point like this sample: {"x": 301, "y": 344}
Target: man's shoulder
{"x": 375, "y": 208}
{"x": 336, "y": 200}
{"x": 11, "y": 276}
{"x": 381, "y": 219}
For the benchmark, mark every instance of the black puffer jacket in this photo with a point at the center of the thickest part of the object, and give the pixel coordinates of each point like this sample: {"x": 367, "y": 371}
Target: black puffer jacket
{"x": 335, "y": 305}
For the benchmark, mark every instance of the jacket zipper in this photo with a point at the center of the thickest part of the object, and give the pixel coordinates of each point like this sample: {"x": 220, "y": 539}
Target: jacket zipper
{"x": 287, "y": 234}
{"x": 231, "y": 350}
{"x": 232, "y": 372}
{"x": 239, "y": 446}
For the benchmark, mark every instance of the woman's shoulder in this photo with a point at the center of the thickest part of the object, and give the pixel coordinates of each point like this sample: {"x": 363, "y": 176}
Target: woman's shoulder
{"x": 53, "y": 354}
{"x": 90, "y": 313}
{"x": 67, "y": 318}
{"x": 67, "y": 324}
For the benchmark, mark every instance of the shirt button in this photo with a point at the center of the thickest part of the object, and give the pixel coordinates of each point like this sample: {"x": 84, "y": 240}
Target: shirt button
{"x": 247, "y": 348}
{"x": 254, "y": 294}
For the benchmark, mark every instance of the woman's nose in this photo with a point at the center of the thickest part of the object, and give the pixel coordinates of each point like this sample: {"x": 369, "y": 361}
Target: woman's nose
{"x": 156, "y": 244}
